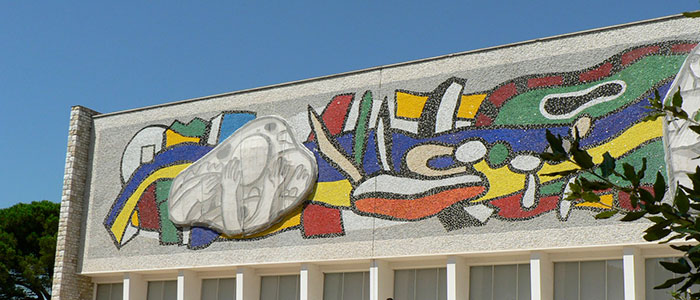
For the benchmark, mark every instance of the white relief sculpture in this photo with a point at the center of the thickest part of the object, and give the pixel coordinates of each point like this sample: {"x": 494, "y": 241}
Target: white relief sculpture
{"x": 683, "y": 142}
{"x": 247, "y": 182}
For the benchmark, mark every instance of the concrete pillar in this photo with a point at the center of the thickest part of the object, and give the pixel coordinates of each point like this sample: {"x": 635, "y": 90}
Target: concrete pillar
{"x": 541, "y": 277}
{"x": 633, "y": 266}
{"x": 247, "y": 284}
{"x": 311, "y": 282}
{"x": 381, "y": 280}
{"x": 457, "y": 279}
{"x": 189, "y": 286}
{"x": 135, "y": 287}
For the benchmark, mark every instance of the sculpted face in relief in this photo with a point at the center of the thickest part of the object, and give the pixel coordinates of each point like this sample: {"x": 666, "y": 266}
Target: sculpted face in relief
{"x": 247, "y": 183}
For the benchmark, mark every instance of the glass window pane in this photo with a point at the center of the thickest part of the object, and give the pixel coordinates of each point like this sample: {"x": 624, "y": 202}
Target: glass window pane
{"x": 442, "y": 284}
{"x": 155, "y": 290}
{"x": 103, "y": 291}
{"x": 480, "y": 283}
{"x": 366, "y": 286}
{"x": 288, "y": 287}
{"x": 616, "y": 281}
{"x": 268, "y": 287}
{"x": 426, "y": 284}
{"x": 655, "y": 275}
{"x": 227, "y": 289}
{"x": 209, "y": 289}
{"x": 332, "y": 286}
{"x": 592, "y": 275}
{"x": 170, "y": 290}
{"x": 117, "y": 291}
{"x": 566, "y": 281}
{"x": 504, "y": 280}
{"x": 524, "y": 282}
{"x": 404, "y": 284}
{"x": 353, "y": 285}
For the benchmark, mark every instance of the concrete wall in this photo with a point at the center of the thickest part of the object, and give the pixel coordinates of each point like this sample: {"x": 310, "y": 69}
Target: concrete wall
{"x": 434, "y": 157}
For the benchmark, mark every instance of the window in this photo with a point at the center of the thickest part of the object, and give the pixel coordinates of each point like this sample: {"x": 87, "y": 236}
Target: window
{"x": 655, "y": 274}
{"x": 162, "y": 290}
{"x": 279, "y": 287}
{"x": 420, "y": 284}
{"x": 595, "y": 280}
{"x": 507, "y": 282}
{"x": 346, "y": 286}
{"x": 219, "y": 289}
{"x": 110, "y": 291}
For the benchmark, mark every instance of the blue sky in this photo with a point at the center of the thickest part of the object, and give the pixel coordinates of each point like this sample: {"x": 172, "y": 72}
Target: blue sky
{"x": 121, "y": 55}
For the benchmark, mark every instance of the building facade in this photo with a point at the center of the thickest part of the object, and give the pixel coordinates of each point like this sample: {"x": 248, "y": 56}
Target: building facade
{"x": 418, "y": 180}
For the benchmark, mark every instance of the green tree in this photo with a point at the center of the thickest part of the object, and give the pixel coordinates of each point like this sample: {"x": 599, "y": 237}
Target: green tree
{"x": 673, "y": 217}
{"x": 27, "y": 249}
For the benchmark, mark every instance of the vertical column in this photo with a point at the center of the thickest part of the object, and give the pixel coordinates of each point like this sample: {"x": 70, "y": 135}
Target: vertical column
{"x": 541, "y": 277}
{"x": 135, "y": 288}
{"x": 311, "y": 282}
{"x": 381, "y": 280}
{"x": 633, "y": 266}
{"x": 189, "y": 287}
{"x": 247, "y": 284}
{"x": 67, "y": 284}
{"x": 457, "y": 279}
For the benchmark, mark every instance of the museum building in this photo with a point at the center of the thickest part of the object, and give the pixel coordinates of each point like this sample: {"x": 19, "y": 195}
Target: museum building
{"x": 418, "y": 180}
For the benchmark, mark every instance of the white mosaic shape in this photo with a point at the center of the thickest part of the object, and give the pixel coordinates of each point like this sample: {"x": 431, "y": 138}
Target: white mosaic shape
{"x": 682, "y": 142}
{"x": 247, "y": 182}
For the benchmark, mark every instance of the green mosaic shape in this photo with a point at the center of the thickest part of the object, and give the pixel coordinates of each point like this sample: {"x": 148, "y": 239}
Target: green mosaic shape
{"x": 196, "y": 128}
{"x": 498, "y": 154}
{"x": 640, "y": 77}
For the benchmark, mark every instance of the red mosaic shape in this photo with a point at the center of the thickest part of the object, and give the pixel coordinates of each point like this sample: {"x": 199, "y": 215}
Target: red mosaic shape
{"x": 624, "y": 198}
{"x": 635, "y": 54}
{"x": 483, "y": 120}
{"x": 597, "y": 73}
{"x": 510, "y": 208}
{"x": 502, "y": 94}
{"x": 148, "y": 210}
{"x": 321, "y": 221}
{"x": 335, "y": 113}
{"x": 545, "y": 81}
{"x": 682, "y": 48}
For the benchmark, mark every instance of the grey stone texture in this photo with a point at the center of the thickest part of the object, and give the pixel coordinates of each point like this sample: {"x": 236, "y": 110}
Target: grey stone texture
{"x": 67, "y": 284}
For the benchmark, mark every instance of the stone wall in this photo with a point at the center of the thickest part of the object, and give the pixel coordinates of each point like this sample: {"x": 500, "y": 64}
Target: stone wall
{"x": 66, "y": 283}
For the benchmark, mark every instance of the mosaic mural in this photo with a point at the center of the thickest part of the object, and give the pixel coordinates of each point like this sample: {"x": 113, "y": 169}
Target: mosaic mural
{"x": 462, "y": 158}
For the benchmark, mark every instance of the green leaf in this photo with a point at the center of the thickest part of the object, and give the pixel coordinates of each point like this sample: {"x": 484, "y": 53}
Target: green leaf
{"x": 695, "y": 248}
{"x": 681, "y": 202}
{"x": 680, "y": 267}
{"x": 594, "y": 185}
{"x": 657, "y": 219}
{"x": 633, "y": 216}
{"x": 608, "y": 165}
{"x": 692, "y": 14}
{"x": 640, "y": 173}
{"x": 669, "y": 283}
{"x": 555, "y": 142}
{"x": 659, "y": 187}
{"x": 677, "y": 99}
{"x": 656, "y": 235}
{"x": 630, "y": 174}
{"x": 590, "y": 197}
{"x": 582, "y": 158}
{"x": 683, "y": 248}
{"x": 695, "y": 128}
{"x": 606, "y": 214}
{"x": 562, "y": 173}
